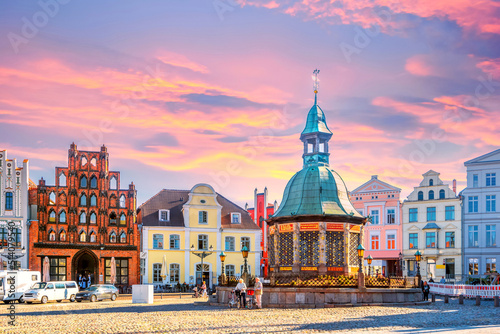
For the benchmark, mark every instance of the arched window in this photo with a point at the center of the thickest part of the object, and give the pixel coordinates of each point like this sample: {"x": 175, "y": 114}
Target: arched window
{"x": 93, "y": 200}
{"x": 52, "y": 235}
{"x": 122, "y": 201}
{"x": 123, "y": 238}
{"x": 123, "y": 219}
{"x": 431, "y": 182}
{"x": 62, "y": 180}
{"x": 93, "y": 182}
{"x": 112, "y": 237}
{"x": 93, "y": 237}
{"x": 62, "y": 217}
{"x": 52, "y": 198}
{"x": 83, "y": 200}
{"x": 420, "y": 195}
{"x": 62, "y": 235}
{"x": 112, "y": 218}
{"x": 83, "y": 182}
{"x": 93, "y": 162}
{"x": 83, "y": 218}
{"x": 52, "y": 216}
{"x": 442, "y": 194}
{"x": 113, "y": 184}
{"x": 93, "y": 218}
{"x": 83, "y": 236}
{"x": 431, "y": 194}
{"x": 84, "y": 160}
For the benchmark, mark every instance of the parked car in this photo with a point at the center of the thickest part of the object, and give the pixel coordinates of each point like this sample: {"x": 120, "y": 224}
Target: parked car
{"x": 98, "y": 292}
{"x": 45, "y": 291}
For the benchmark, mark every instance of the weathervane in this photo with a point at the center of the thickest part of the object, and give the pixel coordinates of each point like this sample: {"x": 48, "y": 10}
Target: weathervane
{"x": 316, "y": 81}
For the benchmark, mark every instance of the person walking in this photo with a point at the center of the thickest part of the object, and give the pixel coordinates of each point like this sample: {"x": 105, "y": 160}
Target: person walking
{"x": 242, "y": 288}
{"x": 259, "y": 289}
{"x": 204, "y": 289}
{"x": 426, "y": 289}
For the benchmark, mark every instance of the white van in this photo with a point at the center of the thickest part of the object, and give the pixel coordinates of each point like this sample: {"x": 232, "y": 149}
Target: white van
{"x": 13, "y": 284}
{"x": 45, "y": 291}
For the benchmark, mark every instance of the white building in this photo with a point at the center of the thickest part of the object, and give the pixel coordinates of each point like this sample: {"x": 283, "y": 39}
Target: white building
{"x": 432, "y": 225}
{"x": 14, "y": 186}
{"x": 481, "y": 218}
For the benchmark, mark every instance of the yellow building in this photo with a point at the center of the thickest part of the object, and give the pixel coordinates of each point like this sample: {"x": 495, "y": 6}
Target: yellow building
{"x": 178, "y": 224}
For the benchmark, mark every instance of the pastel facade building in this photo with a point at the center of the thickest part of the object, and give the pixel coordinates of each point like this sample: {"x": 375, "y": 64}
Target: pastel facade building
{"x": 174, "y": 221}
{"x": 432, "y": 225}
{"x": 481, "y": 218}
{"x": 383, "y": 234}
{"x": 84, "y": 220}
{"x": 14, "y": 205}
{"x": 259, "y": 213}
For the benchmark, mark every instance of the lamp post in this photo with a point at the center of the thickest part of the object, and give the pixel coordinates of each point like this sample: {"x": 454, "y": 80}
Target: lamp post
{"x": 244, "y": 252}
{"x": 202, "y": 255}
{"x": 361, "y": 276}
{"x": 361, "y": 254}
{"x": 418, "y": 257}
{"x": 222, "y": 257}
{"x": 369, "y": 259}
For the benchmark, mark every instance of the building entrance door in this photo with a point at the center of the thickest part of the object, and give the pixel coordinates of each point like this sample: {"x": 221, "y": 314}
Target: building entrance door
{"x": 86, "y": 264}
{"x": 205, "y": 276}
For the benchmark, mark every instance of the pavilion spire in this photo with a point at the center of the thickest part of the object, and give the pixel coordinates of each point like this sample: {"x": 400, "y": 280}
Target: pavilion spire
{"x": 315, "y": 85}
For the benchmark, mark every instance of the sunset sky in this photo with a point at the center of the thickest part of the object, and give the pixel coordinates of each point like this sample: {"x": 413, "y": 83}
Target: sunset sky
{"x": 217, "y": 91}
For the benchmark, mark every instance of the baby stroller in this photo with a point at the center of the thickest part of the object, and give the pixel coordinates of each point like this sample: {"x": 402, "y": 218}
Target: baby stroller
{"x": 234, "y": 299}
{"x": 251, "y": 301}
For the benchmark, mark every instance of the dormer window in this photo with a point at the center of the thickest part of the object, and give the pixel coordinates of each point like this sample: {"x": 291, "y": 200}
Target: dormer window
{"x": 164, "y": 215}
{"x": 235, "y": 218}
{"x": 431, "y": 182}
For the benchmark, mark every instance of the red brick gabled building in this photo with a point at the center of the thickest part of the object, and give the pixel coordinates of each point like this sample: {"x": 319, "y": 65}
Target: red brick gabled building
{"x": 84, "y": 220}
{"x": 259, "y": 213}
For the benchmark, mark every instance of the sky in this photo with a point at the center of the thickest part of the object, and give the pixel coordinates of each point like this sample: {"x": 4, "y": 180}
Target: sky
{"x": 217, "y": 91}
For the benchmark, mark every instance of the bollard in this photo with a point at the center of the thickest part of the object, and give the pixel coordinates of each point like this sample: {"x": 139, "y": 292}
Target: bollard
{"x": 433, "y": 298}
{"x": 497, "y": 301}
{"x": 461, "y": 299}
{"x": 478, "y": 300}
{"x": 446, "y": 300}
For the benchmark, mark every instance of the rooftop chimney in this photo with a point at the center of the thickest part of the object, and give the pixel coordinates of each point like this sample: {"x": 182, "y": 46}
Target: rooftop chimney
{"x": 375, "y": 177}
{"x": 455, "y": 186}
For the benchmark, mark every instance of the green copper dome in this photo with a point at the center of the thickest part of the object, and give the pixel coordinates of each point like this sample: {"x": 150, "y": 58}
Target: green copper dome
{"x": 316, "y": 190}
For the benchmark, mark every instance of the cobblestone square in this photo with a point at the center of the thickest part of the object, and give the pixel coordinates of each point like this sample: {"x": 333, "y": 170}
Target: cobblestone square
{"x": 188, "y": 316}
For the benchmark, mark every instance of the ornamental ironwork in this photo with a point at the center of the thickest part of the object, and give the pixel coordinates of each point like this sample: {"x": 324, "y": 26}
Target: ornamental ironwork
{"x": 353, "y": 249}
{"x": 309, "y": 248}
{"x": 270, "y": 252}
{"x": 335, "y": 249}
{"x": 285, "y": 249}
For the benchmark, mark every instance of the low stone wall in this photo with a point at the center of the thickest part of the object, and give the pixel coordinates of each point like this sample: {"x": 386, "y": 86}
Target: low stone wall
{"x": 327, "y": 297}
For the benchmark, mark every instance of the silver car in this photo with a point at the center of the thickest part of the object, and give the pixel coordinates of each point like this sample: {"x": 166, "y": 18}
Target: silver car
{"x": 98, "y": 292}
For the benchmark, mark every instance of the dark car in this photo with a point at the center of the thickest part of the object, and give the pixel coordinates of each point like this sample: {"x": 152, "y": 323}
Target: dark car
{"x": 98, "y": 292}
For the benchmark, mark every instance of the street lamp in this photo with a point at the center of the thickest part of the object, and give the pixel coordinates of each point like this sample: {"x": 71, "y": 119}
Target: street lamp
{"x": 418, "y": 257}
{"x": 369, "y": 259}
{"x": 361, "y": 254}
{"x": 244, "y": 252}
{"x": 202, "y": 255}
{"x": 222, "y": 257}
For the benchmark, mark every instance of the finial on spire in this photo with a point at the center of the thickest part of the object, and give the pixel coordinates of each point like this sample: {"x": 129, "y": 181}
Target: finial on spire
{"x": 316, "y": 84}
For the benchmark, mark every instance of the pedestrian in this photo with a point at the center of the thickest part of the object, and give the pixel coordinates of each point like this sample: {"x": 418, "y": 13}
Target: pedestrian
{"x": 89, "y": 281}
{"x": 426, "y": 289}
{"x": 204, "y": 289}
{"x": 442, "y": 281}
{"x": 241, "y": 287}
{"x": 80, "y": 281}
{"x": 259, "y": 289}
{"x": 431, "y": 280}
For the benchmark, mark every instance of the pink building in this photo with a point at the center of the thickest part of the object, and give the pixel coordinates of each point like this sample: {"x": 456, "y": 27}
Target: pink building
{"x": 383, "y": 235}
